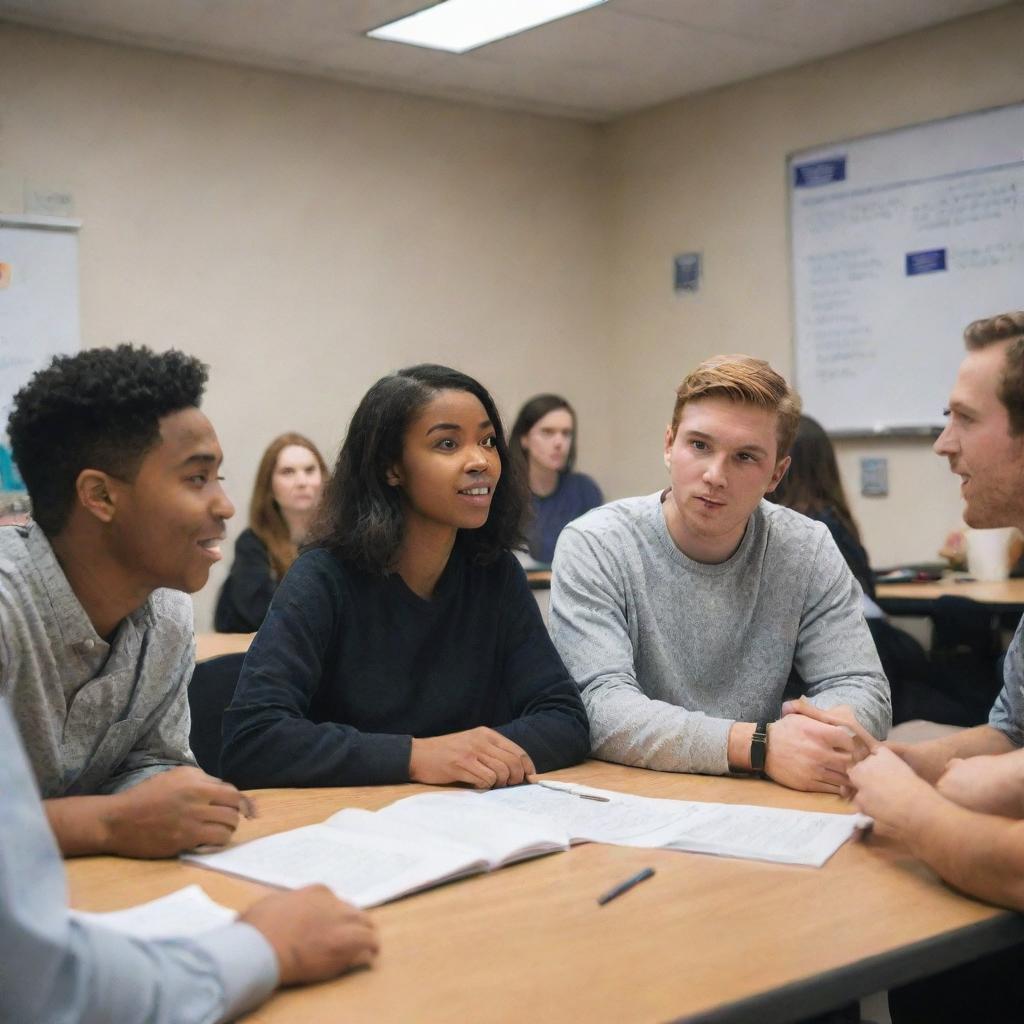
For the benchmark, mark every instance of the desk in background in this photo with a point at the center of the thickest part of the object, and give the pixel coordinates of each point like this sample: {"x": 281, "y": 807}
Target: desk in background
{"x": 212, "y": 645}
{"x": 919, "y": 598}
{"x": 706, "y": 940}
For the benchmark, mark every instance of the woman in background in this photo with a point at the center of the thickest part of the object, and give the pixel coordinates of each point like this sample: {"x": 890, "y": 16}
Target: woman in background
{"x": 544, "y": 439}
{"x": 284, "y": 500}
{"x": 812, "y": 486}
{"x": 404, "y": 644}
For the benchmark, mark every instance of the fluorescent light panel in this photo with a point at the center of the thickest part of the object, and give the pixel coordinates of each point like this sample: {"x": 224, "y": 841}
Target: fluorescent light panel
{"x": 461, "y": 25}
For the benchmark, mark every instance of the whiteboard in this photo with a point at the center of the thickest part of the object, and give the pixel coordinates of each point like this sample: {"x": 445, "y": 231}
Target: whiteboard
{"x": 898, "y": 242}
{"x": 38, "y": 308}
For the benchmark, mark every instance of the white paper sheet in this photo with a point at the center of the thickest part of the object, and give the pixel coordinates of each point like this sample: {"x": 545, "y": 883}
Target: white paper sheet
{"x": 731, "y": 830}
{"x": 180, "y": 914}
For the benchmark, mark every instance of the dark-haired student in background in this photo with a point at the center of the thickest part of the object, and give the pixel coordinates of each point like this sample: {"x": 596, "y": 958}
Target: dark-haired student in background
{"x": 284, "y": 500}
{"x": 544, "y": 440}
{"x": 406, "y": 645}
{"x": 813, "y": 486}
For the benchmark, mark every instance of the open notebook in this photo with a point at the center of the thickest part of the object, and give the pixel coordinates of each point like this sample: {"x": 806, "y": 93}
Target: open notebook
{"x": 370, "y": 857}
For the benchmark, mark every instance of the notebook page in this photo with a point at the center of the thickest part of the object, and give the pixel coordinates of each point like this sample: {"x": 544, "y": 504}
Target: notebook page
{"x": 502, "y": 834}
{"x": 365, "y": 869}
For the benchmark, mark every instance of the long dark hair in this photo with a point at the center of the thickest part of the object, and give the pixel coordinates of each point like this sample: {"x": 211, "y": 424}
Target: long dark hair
{"x": 536, "y": 409}
{"x": 361, "y": 517}
{"x": 812, "y": 484}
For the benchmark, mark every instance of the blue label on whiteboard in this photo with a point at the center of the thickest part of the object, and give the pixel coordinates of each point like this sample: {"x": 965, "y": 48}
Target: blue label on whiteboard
{"x": 926, "y": 262}
{"x": 821, "y": 172}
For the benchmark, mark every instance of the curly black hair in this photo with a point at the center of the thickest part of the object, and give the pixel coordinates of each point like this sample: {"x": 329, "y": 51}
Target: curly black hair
{"x": 97, "y": 409}
{"x": 361, "y": 516}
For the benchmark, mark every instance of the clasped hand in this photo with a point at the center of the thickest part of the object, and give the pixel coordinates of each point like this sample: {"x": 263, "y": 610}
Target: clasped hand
{"x": 480, "y": 757}
{"x": 811, "y": 749}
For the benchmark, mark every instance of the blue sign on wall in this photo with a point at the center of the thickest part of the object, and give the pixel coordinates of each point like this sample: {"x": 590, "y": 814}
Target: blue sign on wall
{"x": 926, "y": 262}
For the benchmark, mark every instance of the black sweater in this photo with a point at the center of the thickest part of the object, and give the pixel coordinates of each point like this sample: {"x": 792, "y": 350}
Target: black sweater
{"x": 249, "y": 588}
{"x": 348, "y": 667}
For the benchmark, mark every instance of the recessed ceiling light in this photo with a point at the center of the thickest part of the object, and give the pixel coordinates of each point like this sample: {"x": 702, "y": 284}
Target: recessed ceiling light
{"x": 461, "y": 25}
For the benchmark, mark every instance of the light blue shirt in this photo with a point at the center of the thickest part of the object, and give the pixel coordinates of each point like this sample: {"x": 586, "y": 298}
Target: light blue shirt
{"x": 1007, "y": 713}
{"x": 57, "y": 970}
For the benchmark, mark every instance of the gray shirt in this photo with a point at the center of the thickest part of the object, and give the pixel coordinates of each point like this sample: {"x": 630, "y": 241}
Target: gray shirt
{"x": 1007, "y": 713}
{"x": 95, "y": 717}
{"x": 670, "y": 652}
{"x": 63, "y": 971}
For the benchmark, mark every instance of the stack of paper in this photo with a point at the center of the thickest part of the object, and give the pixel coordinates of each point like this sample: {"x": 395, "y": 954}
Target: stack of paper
{"x": 371, "y": 857}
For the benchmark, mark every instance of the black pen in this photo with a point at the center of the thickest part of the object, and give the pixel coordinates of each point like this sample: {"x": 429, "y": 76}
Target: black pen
{"x": 624, "y": 886}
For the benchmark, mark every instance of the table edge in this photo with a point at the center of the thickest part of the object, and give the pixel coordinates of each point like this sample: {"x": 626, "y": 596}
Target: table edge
{"x": 864, "y": 977}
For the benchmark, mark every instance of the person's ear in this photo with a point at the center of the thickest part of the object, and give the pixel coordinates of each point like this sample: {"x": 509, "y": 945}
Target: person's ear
{"x": 780, "y": 472}
{"x": 97, "y": 494}
{"x": 670, "y": 437}
{"x": 393, "y": 476}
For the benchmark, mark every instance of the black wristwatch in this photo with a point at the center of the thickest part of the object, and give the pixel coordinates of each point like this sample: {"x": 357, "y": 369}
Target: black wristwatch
{"x": 759, "y": 748}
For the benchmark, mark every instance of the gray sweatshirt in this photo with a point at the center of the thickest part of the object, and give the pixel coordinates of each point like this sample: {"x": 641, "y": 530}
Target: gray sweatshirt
{"x": 669, "y": 652}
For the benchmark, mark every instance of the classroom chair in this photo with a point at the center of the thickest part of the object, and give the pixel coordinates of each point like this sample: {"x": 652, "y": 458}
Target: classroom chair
{"x": 209, "y": 693}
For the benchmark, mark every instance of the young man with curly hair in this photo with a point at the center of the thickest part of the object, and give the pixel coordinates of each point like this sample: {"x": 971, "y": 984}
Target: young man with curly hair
{"x": 687, "y": 616}
{"x": 96, "y": 643}
{"x": 96, "y": 652}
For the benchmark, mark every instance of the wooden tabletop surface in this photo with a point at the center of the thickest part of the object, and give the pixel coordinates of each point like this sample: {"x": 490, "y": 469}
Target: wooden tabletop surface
{"x": 1002, "y": 592}
{"x": 707, "y": 939}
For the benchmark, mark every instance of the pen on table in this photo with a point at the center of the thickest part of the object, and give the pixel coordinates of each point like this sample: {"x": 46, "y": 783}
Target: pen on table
{"x": 561, "y": 787}
{"x": 625, "y": 886}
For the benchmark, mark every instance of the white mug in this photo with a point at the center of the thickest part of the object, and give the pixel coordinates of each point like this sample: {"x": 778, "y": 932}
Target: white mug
{"x": 988, "y": 553}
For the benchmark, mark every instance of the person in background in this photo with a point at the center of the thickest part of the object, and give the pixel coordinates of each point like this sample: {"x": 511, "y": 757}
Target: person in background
{"x": 404, "y": 644}
{"x": 813, "y": 487}
{"x": 290, "y": 477}
{"x": 544, "y": 439}
{"x": 96, "y": 635}
{"x": 54, "y": 967}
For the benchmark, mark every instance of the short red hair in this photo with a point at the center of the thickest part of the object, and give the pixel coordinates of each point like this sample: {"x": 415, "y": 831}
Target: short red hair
{"x": 743, "y": 379}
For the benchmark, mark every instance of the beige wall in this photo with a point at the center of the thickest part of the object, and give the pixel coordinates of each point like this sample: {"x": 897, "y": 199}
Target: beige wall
{"x": 304, "y": 237}
{"x": 708, "y": 173}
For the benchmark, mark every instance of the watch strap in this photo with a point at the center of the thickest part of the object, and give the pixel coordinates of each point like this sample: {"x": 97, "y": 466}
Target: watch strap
{"x": 759, "y": 747}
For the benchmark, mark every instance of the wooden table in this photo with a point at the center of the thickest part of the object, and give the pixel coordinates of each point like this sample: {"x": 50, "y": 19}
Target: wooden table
{"x": 539, "y": 579}
{"x": 917, "y": 598}
{"x": 212, "y": 645}
{"x": 707, "y": 939}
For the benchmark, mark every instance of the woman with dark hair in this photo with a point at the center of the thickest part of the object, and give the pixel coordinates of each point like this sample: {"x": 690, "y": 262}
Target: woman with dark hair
{"x": 284, "y": 500}
{"x": 544, "y": 442}
{"x": 812, "y": 485}
{"x": 404, "y": 644}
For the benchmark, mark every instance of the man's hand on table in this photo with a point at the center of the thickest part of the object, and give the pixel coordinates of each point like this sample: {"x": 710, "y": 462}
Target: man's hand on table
{"x": 314, "y": 935}
{"x": 177, "y": 810}
{"x": 811, "y": 749}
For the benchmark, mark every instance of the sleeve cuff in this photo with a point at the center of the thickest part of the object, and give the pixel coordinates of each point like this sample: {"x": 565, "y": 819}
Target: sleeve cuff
{"x": 246, "y": 963}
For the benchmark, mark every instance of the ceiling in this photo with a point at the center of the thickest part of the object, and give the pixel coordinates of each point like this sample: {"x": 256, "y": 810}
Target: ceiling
{"x": 611, "y": 60}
